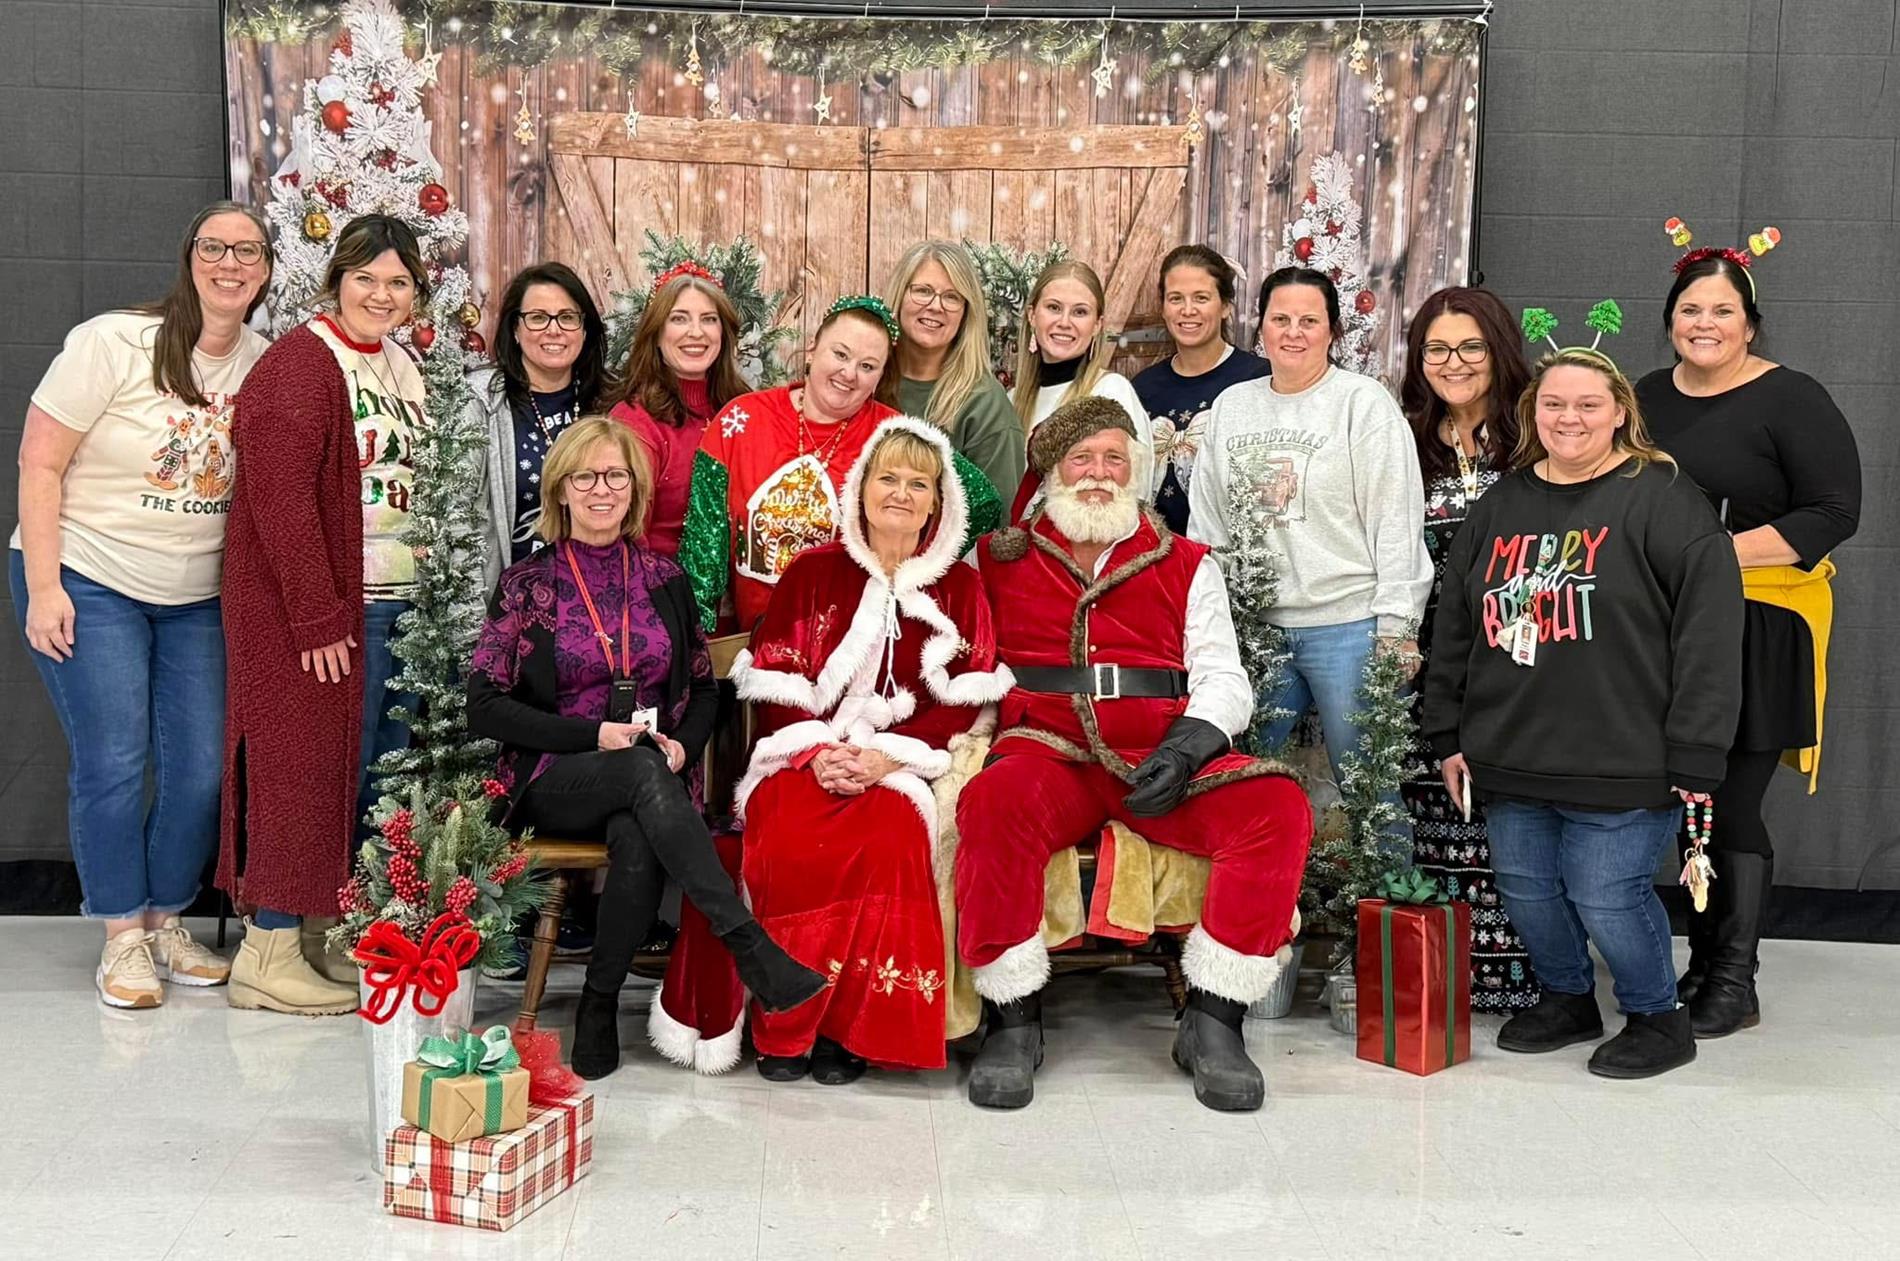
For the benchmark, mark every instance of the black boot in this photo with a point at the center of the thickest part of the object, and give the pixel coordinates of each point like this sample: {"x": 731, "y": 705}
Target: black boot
{"x": 784, "y": 1068}
{"x": 1738, "y": 899}
{"x": 1647, "y": 1046}
{"x": 1004, "y": 1075}
{"x": 1701, "y": 946}
{"x": 1557, "y": 1021}
{"x": 832, "y": 1065}
{"x": 597, "y": 1034}
{"x": 777, "y": 980}
{"x": 1208, "y": 1043}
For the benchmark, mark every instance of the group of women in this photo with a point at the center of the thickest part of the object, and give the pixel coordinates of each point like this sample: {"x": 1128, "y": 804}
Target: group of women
{"x": 1565, "y": 556}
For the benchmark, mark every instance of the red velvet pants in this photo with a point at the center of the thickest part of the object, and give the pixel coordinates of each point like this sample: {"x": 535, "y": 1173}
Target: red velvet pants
{"x": 1022, "y": 809}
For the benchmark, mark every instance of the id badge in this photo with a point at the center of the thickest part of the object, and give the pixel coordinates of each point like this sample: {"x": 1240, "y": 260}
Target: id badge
{"x": 621, "y": 701}
{"x": 1524, "y": 641}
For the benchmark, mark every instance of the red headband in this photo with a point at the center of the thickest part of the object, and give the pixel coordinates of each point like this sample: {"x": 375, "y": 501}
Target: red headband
{"x": 1733, "y": 255}
{"x": 687, "y": 268}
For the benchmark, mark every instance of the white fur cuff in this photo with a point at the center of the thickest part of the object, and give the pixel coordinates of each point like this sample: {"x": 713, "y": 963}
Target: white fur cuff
{"x": 1226, "y": 973}
{"x": 1016, "y": 973}
{"x": 683, "y": 1044}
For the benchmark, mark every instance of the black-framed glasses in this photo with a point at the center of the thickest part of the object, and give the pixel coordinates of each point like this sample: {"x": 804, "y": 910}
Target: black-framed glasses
{"x": 586, "y": 479}
{"x": 924, "y": 295}
{"x": 1473, "y": 351}
{"x": 211, "y": 249}
{"x": 536, "y": 321}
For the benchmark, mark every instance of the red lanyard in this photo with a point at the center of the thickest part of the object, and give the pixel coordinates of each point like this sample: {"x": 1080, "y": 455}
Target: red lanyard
{"x": 626, "y": 617}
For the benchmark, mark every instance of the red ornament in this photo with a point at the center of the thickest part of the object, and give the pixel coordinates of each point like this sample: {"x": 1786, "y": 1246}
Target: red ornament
{"x": 386, "y": 159}
{"x": 1312, "y": 192}
{"x": 423, "y": 337}
{"x": 1364, "y": 302}
{"x": 380, "y": 95}
{"x": 433, "y": 198}
{"x": 1332, "y": 228}
{"x": 474, "y": 344}
{"x": 294, "y": 179}
{"x": 344, "y": 45}
{"x": 1303, "y": 248}
{"x": 336, "y": 116}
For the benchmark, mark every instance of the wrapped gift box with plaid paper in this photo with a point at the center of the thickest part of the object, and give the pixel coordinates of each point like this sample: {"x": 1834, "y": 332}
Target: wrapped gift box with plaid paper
{"x": 492, "y": 1182}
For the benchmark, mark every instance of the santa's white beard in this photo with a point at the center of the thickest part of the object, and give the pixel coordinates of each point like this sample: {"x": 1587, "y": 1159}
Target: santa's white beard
{"x": 1083, "y": 522}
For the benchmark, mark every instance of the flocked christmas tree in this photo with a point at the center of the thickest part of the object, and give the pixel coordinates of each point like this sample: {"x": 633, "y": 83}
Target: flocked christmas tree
{"x": 1326, "y": 237}
{"x": 361, "y": 145}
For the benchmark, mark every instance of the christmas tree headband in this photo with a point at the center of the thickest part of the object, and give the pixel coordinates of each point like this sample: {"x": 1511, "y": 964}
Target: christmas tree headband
{"x": 1604, "y": 317}
{"x": 1759, "y": 243}
{"x": 866, "y": 302}
{"x": 687, "y": 268}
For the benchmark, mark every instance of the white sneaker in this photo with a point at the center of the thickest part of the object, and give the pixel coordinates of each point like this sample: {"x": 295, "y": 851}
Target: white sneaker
{"x": 126, "y": 976}
{"x": 180, "y": 958}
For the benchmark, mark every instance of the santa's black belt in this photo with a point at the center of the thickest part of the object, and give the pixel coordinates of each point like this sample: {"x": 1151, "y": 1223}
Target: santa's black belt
{"x": 1103, "y": 682}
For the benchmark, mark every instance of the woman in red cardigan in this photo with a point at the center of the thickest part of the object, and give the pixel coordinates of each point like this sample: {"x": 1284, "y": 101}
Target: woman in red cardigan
{"x": 315, "y": 573}
{"x": 683, "y": 367}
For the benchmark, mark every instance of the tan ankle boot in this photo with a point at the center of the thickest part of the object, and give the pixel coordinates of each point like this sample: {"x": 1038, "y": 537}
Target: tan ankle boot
{"x": 331, "y": 965}
{"x": 270, "y": 972}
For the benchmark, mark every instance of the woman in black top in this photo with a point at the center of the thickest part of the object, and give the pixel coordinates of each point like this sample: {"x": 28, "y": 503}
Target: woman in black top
{"x": 1778, "y": 461}
{"x": 1464, "y": 371}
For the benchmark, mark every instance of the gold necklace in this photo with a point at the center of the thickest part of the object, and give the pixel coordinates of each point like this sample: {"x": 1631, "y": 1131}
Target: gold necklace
{"x": 823, "y": 455}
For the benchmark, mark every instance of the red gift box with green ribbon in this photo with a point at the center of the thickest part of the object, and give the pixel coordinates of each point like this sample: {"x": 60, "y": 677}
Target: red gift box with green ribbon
{"x": 466, "y": 1086}
{"x": 1414, "y": 972}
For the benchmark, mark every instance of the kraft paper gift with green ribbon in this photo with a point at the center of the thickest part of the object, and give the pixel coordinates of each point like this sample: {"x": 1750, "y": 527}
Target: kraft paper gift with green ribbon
{"x": 464, "y": 1086}
{"x": 1414, "y": 971}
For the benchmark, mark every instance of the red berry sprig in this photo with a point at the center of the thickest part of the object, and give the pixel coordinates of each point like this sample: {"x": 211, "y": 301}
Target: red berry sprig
{"x": 461, "y": 896}
{"x": 406, "y": 881}
{"x": 351, "y": 898}
{"x": 510, "y": 867}
{"x": 494, "y": 788}
{"x": 400, "y": 827}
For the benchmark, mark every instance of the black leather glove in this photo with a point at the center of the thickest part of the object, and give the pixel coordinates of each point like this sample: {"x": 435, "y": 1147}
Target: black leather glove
{"x": 1161, "y": 781}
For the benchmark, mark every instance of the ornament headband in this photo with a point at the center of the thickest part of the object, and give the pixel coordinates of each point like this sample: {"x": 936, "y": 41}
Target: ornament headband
{"x": 866, "y": 302}
{"x": 687, "y": 268}
{"x": 1759, "y": 243}
{"x": 1604, "y": 317}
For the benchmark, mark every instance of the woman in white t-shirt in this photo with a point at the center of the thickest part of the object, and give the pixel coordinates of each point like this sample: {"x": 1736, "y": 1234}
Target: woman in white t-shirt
{"x": 1064, "y": 351}
{"x": 126, "y": 470}
{"x": 316, "y": 573}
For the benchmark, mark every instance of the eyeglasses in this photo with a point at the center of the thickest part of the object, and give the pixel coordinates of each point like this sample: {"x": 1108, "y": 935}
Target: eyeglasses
{"x": 1473, "y": 351}
{"x": 587, "y": 479}
{"x": 211, "y": 249}
{"x": 924, "y": 295}
{"x": 536, "y": 321}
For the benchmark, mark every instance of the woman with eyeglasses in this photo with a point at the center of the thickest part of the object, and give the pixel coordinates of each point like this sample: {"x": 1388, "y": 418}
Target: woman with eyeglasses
{"x": 126, "y": 466}
{"x": 943, "y": 360}
{"x": 1464, "y": 371}
{"x": 593, "y": 675}
{"x": 550, "y": 356}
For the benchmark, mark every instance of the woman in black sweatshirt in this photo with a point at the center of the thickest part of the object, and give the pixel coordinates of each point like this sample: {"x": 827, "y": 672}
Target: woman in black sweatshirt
{"x": 1585, "y": 677}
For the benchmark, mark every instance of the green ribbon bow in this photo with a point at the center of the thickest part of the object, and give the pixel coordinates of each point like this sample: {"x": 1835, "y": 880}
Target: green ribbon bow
{"x": 488, "y": 1055}
{"x": 1412, "y": 887}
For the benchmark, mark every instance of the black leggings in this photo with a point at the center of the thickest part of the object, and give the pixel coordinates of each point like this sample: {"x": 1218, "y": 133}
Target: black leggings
{"x": 1738, "y": 822}
{"x": 652, "y": 832}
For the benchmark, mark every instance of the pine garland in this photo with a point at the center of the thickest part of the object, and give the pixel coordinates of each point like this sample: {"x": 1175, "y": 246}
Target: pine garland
{"x": 764, "y": 322}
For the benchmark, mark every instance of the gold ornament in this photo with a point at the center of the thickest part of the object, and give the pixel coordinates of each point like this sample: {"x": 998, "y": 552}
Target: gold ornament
{"x": 693, "y": 76}
{"x": 470, "y": 315}
{"x": 823, "y": 106}
{"x": 524, "y": 121}
{"x": 1196, "y": 132}
{"x": 1357, "y": 62}
{"x": 632, "y": 121}
{"x": 1104, "y": 72}
{"x": 316, "y": 226}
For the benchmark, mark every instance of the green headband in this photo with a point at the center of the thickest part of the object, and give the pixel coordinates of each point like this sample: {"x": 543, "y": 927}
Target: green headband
{"x": 1604, "y": 317}
{"x": 866, "y": 302}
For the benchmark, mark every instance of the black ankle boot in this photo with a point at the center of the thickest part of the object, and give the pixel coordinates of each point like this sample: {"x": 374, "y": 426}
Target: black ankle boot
{"x": 1208, "y": 1043}
{"x": 1004, "y": 1075}
{"x": 1701, "y": 946}
{"x": 784, "y": 1068}
{"x": 832, "y": 1065}
{"x": 777, "y": 980}
{"x": 1557, "y": 1021}
{"x": 1647, "y": 1046}
{"x": 597, "y": 1034}
{"x": 1738, "y": 899}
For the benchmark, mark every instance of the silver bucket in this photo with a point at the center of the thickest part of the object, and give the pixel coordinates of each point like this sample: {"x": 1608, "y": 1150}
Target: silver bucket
{"x": 1278, "y": 1001}
{"x": 1342, "y": 1000}
{"x": 392, "y": 1045}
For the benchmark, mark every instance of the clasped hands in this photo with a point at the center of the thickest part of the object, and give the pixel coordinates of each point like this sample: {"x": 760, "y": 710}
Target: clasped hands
{"x": 846, "y": 770}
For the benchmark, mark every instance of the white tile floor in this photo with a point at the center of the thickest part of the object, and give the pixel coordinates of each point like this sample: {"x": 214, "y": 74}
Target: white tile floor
{"x": 197, "y": 1131}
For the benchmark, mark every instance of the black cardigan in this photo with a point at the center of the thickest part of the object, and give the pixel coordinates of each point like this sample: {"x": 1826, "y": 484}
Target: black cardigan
{"x": 524, "y": 719}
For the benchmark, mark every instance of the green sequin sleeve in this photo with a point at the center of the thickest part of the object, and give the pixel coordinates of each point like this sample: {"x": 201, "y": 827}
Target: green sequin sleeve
{"x": 705, "y": 539}
{"x": 985, "y": 505}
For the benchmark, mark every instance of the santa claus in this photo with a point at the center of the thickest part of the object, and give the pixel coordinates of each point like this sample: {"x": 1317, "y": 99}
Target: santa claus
{"x": 1128, "y": 692}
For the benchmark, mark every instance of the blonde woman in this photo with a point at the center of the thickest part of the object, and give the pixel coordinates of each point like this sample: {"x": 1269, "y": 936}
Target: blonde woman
{"x": 1065, "y": 351}
{"x": 943, "y": 360}
{"x": 1585, "y": 680}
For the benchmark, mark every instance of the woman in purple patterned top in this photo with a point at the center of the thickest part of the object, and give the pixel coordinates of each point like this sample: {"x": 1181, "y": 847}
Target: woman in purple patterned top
{"x": 592, "y": 673}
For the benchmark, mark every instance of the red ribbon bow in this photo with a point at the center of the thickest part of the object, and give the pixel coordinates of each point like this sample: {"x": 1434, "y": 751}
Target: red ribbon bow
{"x": 392, "y": 963}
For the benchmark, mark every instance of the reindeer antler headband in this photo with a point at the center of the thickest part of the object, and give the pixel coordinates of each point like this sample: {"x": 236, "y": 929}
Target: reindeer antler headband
{"x": 1759, "y": 243}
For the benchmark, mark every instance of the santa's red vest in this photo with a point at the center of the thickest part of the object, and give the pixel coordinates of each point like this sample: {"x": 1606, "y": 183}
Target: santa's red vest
{"x": 1048, "y": 614}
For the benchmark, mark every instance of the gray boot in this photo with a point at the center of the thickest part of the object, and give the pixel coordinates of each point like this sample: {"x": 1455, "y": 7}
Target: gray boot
{"x": 1004, "y": 1075}
{"x": 1208, "y": 1043}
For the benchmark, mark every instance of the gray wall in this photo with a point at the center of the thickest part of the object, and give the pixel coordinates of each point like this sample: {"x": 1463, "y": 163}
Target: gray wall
{"x": 1604, "y": 118}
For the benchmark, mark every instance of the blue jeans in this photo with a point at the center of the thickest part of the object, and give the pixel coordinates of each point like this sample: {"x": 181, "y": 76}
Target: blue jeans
{"x": 1325, "y": 669}
{"x": 1571, "y": 877}
{"x": 143, "y": 691}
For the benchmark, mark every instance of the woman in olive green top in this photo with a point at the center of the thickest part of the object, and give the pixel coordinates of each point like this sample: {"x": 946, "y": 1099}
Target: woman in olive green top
{"x": 943, "y": 360}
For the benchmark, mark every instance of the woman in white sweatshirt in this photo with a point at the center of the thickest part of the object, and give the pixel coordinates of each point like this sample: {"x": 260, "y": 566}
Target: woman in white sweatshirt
{"x": 1316, "y": 465}
{"x": 1064, "y": 353}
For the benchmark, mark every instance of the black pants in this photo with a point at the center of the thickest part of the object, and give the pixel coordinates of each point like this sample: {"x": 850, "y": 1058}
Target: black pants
{"x": 629, "y": 797}
{"x": 1739, "y": 828}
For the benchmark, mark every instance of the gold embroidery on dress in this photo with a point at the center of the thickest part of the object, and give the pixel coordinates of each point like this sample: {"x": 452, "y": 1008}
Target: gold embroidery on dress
{"x": 924, "y": 982}
{"x": 794, "y": 509}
